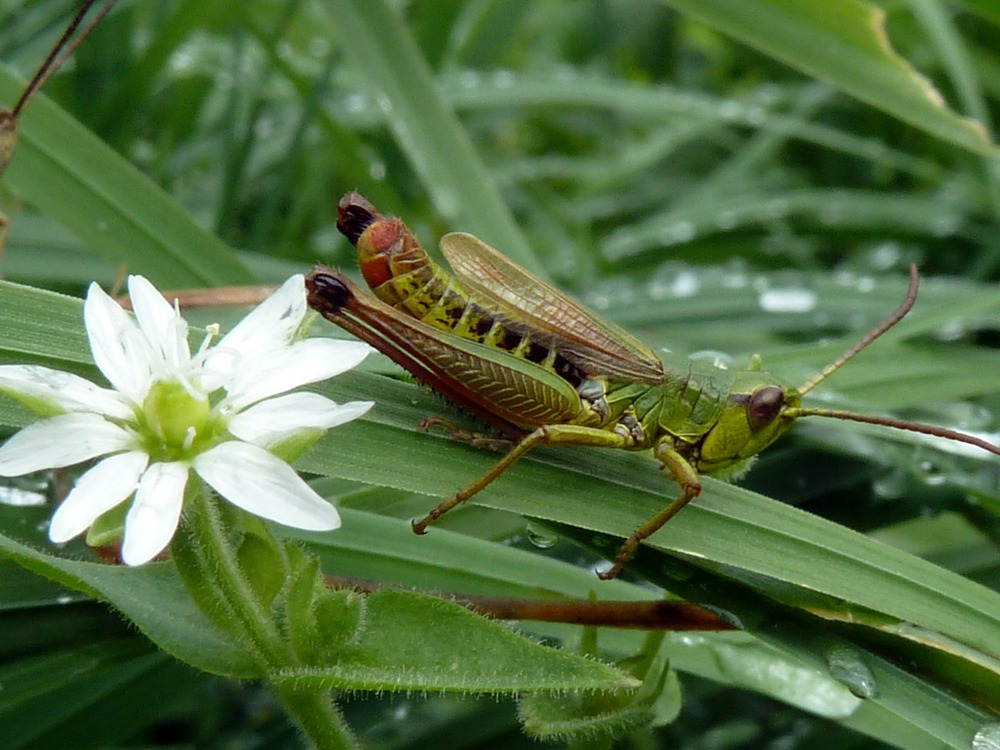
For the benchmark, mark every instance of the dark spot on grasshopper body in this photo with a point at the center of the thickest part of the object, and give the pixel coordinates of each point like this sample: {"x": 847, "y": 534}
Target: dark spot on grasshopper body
{"x": 483, "y": 323}
{"x": 536, "y": 352}
{"x": 508, "y": 340}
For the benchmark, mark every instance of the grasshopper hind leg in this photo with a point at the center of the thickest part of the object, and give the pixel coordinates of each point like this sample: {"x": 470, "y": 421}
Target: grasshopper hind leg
{"x": 545, "y": 435}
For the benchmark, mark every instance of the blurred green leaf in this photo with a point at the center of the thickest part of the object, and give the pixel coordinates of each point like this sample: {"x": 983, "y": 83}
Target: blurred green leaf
{"x": 843, "y": 42}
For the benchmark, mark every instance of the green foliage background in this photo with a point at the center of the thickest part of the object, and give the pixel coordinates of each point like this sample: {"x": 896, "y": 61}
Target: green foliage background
{"x": 728, "y": 176}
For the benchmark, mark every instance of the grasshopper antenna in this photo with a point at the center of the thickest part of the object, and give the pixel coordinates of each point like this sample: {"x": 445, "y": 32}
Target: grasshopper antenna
{"x": 899, "y": 424}
{"x": 898, "y": 314}
{"x": 65, "y": 47}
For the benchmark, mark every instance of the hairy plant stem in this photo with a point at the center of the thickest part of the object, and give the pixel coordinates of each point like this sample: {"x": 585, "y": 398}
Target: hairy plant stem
{"x": 252, "y": 623}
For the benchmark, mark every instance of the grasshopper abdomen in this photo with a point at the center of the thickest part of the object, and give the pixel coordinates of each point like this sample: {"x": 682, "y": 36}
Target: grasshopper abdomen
{"x": 401, "y": 273}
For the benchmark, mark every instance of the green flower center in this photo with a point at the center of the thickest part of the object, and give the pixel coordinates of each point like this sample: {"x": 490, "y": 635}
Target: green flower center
{"x": 177, "y": 418}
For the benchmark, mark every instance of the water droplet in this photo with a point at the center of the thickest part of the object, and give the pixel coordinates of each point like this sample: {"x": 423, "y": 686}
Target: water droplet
{"x": 676, "y": 233}
{"x": 885, "y": 255}
{"x": 355, "y": 103}
{"x": 891, "y": 485}
{"x": 730, "y": 110}
{"x": 64, "y": 599}
{"x": 731, "y": 617}
{"x": 735, "y": 280}
{"x": 540, "y": 537}
{"x": 847, "y": 666}
{"x": 943, "y": 226}
{"x": 874, "y": 149}
{"x": 987, "y": 738}
{"x": 468, "y": 79}
{"x": 384, "y": 103}
{"x": 264, "y": 127}
{"x": 676, "y": 284}
{"x": 401, "y": 712}
{"x": 769, "y": 93}
{"x": 930, "y": 472}
{"x": 599, "y": 301}
{"x": 865, "y": 284}
{"x": 377, "y": 170}
{"x": 831, "y": 214}
{"x": 21, "y": 498}
{"x": 503, "y": 79}
{"x": 756, "y": 116}
{"x": 777, "y": 209}
{"x": 788, "y": 300}
{"x": 319, "y": 46}
{"x": 726, "y": 220}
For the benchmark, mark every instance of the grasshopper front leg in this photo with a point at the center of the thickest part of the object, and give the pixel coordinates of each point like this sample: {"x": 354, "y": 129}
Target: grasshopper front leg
{"x": 687, "y": 477}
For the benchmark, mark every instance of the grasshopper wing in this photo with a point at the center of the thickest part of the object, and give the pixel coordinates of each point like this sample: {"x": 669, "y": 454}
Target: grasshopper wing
{"x": 502, "y": 390}
{"x": 598, "y": 347}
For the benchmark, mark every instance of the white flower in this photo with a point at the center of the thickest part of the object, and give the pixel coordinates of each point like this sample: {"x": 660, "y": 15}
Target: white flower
{"x": 217, "y": 412}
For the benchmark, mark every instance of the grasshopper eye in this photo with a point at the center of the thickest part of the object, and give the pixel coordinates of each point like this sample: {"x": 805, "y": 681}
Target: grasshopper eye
{"x": 764, "y": 406}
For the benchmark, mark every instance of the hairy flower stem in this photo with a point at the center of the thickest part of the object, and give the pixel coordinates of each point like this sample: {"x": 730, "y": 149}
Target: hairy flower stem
{"x": 218, "y": 569}
{"x": 315, "y": 713}
{"x": 211, "y": 552}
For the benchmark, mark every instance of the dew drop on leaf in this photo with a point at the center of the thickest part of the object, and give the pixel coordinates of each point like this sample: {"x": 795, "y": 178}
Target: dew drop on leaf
{"x": 848, "y": 667}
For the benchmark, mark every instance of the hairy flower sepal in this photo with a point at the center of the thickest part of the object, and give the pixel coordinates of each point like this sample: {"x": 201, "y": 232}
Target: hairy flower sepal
{"x": 206, "y": 553}
{"x": 577, "y": 717}
{"x": 171, "y": 415}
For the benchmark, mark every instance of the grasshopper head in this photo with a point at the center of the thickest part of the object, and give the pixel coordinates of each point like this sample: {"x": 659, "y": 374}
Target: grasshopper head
{"x": 756, "y": 414}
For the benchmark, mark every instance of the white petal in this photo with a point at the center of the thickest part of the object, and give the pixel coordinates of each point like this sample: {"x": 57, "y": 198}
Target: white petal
{"x": 273, "y": 322}
{"x": 99, "y": 490}
{"x": 63, "y": 391}
{"x": 254, "y": 480}
{"x": 303, "y": 362}
{"x": 162, "y": 325}
{"x": 152, "y": 520}
{"x": 268, "y": 421}
{"x": 61, "y": 441}
{"x": 120, "y": 350}
{"x": 261, "y": 337}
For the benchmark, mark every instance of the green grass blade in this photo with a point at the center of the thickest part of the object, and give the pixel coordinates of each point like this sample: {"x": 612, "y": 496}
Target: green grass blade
{"x": 390, "y": 68}
{"x": 843, "y": 42}
{"x": 71, "y": 176}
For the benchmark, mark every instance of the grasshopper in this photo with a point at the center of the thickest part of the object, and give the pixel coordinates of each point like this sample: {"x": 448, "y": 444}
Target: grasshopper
{"x": 60, "y": 52}
{"x": 543, "y": 370}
